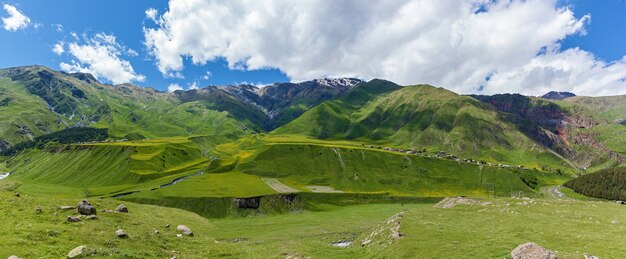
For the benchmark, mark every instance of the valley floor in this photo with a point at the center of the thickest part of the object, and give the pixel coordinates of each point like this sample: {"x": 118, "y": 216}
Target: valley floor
{"x": 487, "y": 228}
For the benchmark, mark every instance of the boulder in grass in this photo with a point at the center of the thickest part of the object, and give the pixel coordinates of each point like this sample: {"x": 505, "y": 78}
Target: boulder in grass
{"x": 73, "y": 219}
{"x": 121, "y": 208}
{"x": 532, "y": 251}
{"x": 120, "y": 233}
{"x": 85, "y": 208}
{"x": 185, "y": 230}
{"x": 14, "y": 257}
{"x": 78, "y": 252}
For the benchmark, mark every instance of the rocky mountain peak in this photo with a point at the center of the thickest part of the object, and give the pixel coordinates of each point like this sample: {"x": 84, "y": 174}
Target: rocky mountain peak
{"x": 553, "y": 95}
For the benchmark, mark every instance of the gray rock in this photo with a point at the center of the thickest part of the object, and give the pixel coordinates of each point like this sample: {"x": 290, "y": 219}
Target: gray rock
{"x": 14, "y": 257}
{"x": 588, "y": 256}
{"x": 120, "y": 233}
{"x": 85, "y": 208}
{"x": 121, "y": 208}
{"x": 38, "y": 210}
{"x": 186, "y": 231}
{"x": 77, "y": 252}
{"x": 532, "y": 251}
{"x": 66, "y": 207}
{"x": 73, "y": 219}
{"x": 91, "y": 217}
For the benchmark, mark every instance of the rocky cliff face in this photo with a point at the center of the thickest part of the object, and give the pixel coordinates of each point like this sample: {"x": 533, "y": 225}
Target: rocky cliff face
{"x": 280, "y": 102}
{"x": 554, "y": 127}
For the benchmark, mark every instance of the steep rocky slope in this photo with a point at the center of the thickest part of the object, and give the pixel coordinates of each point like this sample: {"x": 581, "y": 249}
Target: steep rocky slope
{"x": 567, "y": 129}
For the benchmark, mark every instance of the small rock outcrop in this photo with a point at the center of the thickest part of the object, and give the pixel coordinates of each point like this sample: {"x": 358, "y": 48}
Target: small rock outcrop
{"x": 14, "y": 257}
{"x": 387, "y": 233}
{"x": 248, "y": 203}
{"x": 38, "y": 210}
{"x": 91, "y": 217}
{"x": 66, "y": 207}
{"x": 77, "y": 252}
{"x": 121, "y": 208}
{"x": 120, "y": 233}
{"x": 185, "y": 230}
{"x": 532, "y": 251}
{"x": 85, "y": 208}
{"x": 73, "y": 219}
{"x": 588, "y": 256}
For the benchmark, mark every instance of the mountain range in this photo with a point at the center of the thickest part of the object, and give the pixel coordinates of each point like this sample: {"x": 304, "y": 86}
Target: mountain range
{"x": 558, "y": 131}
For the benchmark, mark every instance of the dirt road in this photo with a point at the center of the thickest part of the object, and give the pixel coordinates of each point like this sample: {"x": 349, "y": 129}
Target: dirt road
{"x": 554, "y": 192}
{"x": 278, "y": 186}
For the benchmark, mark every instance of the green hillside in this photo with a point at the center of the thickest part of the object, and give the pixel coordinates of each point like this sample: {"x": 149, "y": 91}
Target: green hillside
{"x": 38, "y": 100}
{"x": 419, "y": 117}
{"x": 103, "y": 169}
{"x": 610, "y": 112}
{"x": 580, "y": 129}
{"x": 475, "y": 230}
{"x": 257, "y": 166}
{"x": 607, "y": 184}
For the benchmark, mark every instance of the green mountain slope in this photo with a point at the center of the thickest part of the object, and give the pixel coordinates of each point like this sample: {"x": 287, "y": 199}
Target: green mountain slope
{"x": 581, "y": 129}
{"x": 419, "y": 117}
{"x": 610, "y": 112}
{"x": 37, "y": 100}
{"x": 607, "y": 184}
{"x": 105, "y": 168}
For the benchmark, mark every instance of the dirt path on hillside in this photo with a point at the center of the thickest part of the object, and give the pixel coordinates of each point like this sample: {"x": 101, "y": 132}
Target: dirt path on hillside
{"x": 323, "y": 189}
{"x": 570, "y": 163}
{"x": 554, "y": 192}
{"x": 278, "y": 186}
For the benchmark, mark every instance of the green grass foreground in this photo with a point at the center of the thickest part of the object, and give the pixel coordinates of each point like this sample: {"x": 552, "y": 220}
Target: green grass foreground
{"x": 568, "y": 227}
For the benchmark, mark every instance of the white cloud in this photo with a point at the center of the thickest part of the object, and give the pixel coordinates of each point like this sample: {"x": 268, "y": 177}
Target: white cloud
{"x": 58, "y": 27}
{"x": 572, "y": 70}
{"x": 173, "y": 87}
{"x": 100, "y": 56}
{"x": 176, "y": 74}
{"x": 451, "y": 43}
{"x": 131, "y": 52}
{"x": 58, "y": 48}
{"x": 194, "y": 86}
{"x": 152, "y": 14}
{"x": 16, "y": 19}
{"x": 207, "y": 75}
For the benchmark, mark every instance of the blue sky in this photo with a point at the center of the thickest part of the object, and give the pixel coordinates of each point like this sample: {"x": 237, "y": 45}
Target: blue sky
{"x": 606, "y": 33}
{"x": 265, "y": 56}
{"x": 125, "y": 20}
